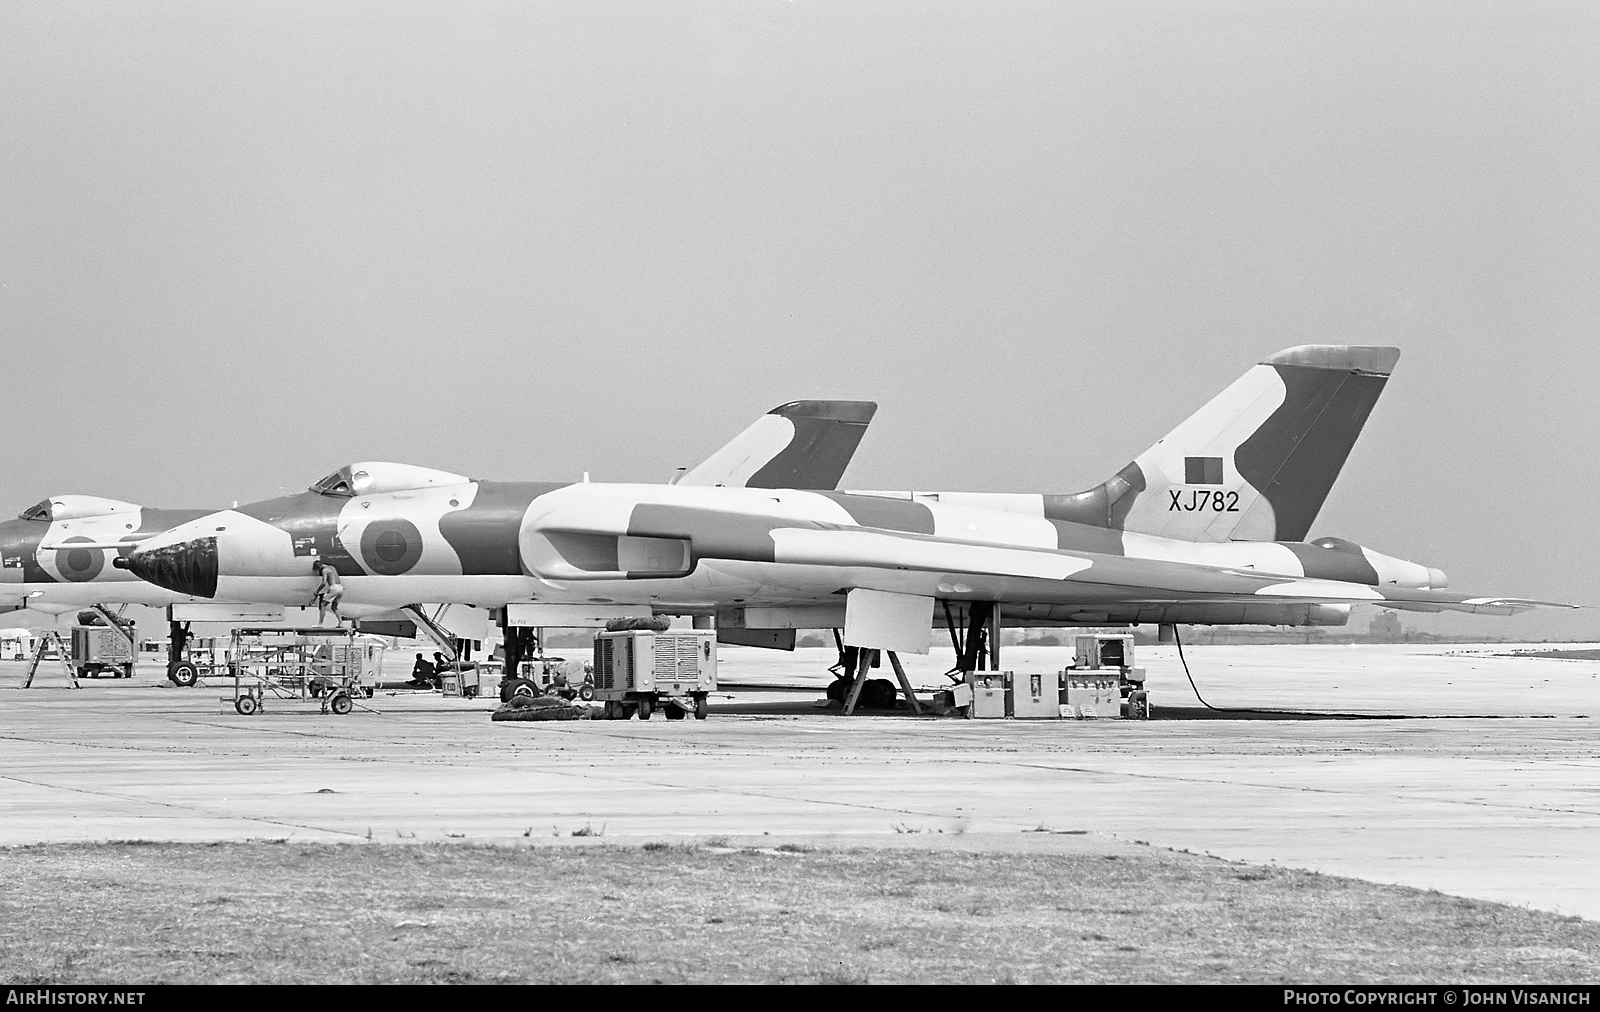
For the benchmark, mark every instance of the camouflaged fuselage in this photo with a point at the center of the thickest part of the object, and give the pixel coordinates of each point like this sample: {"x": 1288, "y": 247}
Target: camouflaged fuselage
{"x": 696, "y": 548}
{"x": 63, "y": 579}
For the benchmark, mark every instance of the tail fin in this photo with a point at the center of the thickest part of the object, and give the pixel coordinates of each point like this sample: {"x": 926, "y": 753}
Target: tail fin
{"x": 802, "y": 444}
{"x": 1256, "y": 463}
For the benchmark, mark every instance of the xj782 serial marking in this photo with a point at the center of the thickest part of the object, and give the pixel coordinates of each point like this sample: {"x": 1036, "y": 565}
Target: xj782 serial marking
{"x": 1203, "y": 499}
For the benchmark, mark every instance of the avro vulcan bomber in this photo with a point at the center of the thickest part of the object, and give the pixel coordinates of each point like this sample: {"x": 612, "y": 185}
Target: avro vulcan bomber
{"x": 60, "y": 555}
{"x": 1187, "y": 533}
{"x": 55, "y": 555}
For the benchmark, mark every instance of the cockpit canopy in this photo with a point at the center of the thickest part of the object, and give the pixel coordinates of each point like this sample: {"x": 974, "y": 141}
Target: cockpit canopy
{"x": 75, "y": 507}
{"x": 375, "y": 477}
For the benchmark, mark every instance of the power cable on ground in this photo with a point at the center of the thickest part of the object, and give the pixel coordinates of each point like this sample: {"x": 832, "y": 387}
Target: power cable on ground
{"x": 1231, "y": 709}
{"x": 1176, "y": 639}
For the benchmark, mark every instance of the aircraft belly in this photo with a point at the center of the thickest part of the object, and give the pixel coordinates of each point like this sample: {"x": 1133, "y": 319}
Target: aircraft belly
{"x": 788, "y": 583}
{"x": 398, "y": 591}
{"x": 84, "y": 595}
{"x": 710, "y": 585}
{"x": 288, "y": 590}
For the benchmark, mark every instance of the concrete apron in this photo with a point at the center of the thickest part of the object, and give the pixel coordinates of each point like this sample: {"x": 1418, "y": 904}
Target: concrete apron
{"x": 1501, "y": 809}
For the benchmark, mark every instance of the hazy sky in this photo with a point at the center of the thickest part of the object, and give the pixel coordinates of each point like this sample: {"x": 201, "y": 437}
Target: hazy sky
{"x": 242, "y": 244}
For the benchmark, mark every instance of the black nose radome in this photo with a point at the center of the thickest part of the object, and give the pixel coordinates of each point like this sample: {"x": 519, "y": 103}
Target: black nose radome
{"x": 120, "y": 563}
{"x": 189, "y": 568}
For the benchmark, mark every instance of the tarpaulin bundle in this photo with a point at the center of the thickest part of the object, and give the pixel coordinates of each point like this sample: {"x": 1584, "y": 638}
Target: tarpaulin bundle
{"x": 655, "y": 623}
{"x": 539, "y": 708}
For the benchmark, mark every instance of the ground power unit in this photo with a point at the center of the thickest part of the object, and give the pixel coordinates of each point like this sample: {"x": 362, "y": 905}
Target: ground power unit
{"x": 640, "y": 671}
{"x": 100, "y": 650}
{"x": 1102, "y": 683}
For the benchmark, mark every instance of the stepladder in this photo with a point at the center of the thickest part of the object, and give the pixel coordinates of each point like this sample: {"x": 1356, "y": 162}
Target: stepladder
{"x": 45, "y": 642}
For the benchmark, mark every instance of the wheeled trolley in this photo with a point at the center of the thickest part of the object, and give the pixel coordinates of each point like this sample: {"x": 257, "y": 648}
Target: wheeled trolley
{"x": 334, "y": 667}
{"x": 638, "y": 671}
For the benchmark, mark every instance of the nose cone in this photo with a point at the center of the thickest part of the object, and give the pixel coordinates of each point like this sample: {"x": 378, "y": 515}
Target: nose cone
{"x": 189, "y": 567}
{"x": 1437, "y": 579}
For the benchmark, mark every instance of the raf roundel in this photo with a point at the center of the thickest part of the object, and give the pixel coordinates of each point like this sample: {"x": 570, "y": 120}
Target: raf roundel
{"x": 391, "y": 547}
{"x": 79, "y": 565}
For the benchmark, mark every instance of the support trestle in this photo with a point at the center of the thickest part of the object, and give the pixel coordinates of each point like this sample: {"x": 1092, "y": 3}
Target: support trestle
{"x": 864, "y": 659}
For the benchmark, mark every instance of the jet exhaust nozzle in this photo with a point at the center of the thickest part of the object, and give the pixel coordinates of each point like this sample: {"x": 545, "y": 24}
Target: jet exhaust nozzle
{"x": 187, "y": 568}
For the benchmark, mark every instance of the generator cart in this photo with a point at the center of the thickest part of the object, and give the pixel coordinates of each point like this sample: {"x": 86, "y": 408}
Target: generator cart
{"x": 331, "y": 666}
{"x": 641, "y": 671}
{"x": 101, "y": 650}
{"x": 1102, "y": 681}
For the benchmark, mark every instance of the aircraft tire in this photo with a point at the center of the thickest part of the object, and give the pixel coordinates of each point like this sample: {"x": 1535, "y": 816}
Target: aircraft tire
{"x": 516, "y": 687}
{"x": 183, "y": 674}
{"x": 1138, "y": 706}
{"x": 879, "y": 694}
